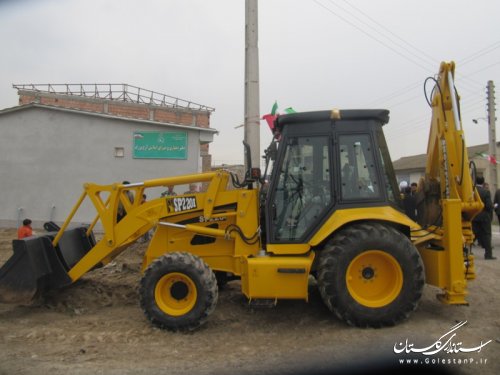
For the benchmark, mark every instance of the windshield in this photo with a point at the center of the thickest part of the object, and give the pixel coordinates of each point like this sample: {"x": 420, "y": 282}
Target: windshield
{"x": 303, "y": 190}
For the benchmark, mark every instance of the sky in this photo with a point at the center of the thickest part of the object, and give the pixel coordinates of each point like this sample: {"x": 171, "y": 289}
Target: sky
{"x": 313, "y": 55}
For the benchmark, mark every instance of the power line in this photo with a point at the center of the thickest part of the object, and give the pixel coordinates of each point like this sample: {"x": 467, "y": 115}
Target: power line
{"x": 413, "y": 126}
{"x": 399, "y": 45}
{"x": 399, "y": 92}
{"x": 370, "y": 36}
{"x": 480, "y": 53}
{"x": 403, "y": 127}
{"x": 467, "y": 84}
{"x": 430, "y": 58}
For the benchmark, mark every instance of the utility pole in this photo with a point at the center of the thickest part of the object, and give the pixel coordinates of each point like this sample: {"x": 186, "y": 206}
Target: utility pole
{"x": 252, "y": 111}
{"x": 492, "y": 149}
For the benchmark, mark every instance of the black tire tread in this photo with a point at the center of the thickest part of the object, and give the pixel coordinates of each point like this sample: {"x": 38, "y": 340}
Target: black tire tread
{"x": 335, "y": 294}
{"x": 199, "y": 272}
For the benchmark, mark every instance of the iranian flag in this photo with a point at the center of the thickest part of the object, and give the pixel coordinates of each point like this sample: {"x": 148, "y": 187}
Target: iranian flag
{"x": 490, "y": 158}
{"x": 271, "y": 117}
{"x": 274, "y": 110}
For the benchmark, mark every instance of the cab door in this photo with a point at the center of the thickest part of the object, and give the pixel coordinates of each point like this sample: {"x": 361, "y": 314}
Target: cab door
{"x": 301, "y": 191}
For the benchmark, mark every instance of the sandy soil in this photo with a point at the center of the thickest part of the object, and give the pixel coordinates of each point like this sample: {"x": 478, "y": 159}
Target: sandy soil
{"x": 96, "y": 326}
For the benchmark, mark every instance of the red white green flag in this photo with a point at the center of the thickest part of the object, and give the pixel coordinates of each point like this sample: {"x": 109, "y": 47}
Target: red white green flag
{"x": 275, "y": 108}
{"x": 490, "y": 158}
{"x": 271, "y": 117}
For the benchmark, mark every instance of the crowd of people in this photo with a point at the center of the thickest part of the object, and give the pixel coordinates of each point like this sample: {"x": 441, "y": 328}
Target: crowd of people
{"x": 481, "y": 224}
{"x": 409, "y": 193}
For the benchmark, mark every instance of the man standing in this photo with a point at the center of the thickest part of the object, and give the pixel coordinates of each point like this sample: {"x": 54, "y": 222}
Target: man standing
{"x": 496, "y": 204}
{"x": 121, "y": 209}
{"x": 193, "y": 188}
{"x": 481, "y": 224}
{"x": 410, "y": 203}
{"x": 414, "y": 188}
{"x": 169, "y": 192}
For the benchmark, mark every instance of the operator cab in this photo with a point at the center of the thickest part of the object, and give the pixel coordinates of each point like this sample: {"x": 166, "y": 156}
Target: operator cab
{"x": 326, "y": 160}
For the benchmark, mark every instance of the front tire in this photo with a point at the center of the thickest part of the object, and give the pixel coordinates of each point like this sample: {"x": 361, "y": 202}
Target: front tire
{"x": 370, "y": 275}
{"x": 178, "y": 292}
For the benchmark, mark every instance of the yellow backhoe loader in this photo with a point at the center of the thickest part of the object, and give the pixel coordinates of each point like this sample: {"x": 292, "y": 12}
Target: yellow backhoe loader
{"x": 330, "y": 209}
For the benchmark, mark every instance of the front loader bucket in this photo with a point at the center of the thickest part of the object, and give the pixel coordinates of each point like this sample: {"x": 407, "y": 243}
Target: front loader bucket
{"x": 36, "y": 265}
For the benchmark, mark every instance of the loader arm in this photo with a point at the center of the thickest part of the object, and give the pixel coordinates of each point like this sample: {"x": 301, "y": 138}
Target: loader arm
{"x": 140, "y": 217}
{"x": 447, "y": 200}
{"x": 60, "y": 258}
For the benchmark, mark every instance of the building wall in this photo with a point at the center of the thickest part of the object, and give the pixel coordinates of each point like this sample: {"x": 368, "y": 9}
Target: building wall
{"x": 177, "y": 115}
{"x": 47, "y": 155}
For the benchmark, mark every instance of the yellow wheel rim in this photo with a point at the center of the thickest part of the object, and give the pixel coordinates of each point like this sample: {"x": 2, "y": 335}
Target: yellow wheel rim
{"x": 374, "y": 278}
{"x": 175, "y": 294}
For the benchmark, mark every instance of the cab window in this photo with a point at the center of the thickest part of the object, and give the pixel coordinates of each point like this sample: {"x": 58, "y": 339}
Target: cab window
{"x": 359, "y": 178}
{"x": 303, "y": 191}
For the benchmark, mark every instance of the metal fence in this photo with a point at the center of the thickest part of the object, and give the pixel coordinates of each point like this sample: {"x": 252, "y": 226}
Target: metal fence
{"x": 114, "y": 91}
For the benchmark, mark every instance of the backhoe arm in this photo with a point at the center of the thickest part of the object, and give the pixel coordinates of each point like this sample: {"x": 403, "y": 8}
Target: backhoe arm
{"x": 448, "y": 162}
{"x": 447, "y": 200}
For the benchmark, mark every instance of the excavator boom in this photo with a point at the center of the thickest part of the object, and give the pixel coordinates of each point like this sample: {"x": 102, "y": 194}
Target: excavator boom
{"x": 447, "y": 200}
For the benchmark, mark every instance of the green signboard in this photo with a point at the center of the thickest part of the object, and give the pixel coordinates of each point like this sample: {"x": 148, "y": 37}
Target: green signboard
{"x": 160, "y": 145}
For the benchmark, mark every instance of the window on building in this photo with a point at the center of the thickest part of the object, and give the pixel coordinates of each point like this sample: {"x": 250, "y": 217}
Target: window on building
{"x": 119, "y": 152}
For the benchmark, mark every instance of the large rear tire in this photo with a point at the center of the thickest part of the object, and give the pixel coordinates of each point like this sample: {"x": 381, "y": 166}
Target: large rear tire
{"x": 178, "y": 292}
{"x": 370, "y": 275}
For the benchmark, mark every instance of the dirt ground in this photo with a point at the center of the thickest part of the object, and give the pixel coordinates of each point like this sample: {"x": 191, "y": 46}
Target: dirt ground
{"x": 96, "y": 326}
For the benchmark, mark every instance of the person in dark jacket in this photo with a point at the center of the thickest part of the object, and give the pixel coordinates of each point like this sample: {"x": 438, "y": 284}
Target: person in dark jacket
{"x": 496, "y": 204}
{"x": 410, "y": 203}
{"x": 481, "y": 224}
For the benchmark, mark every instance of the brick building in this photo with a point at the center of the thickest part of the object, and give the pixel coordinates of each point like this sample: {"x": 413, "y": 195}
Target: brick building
{"x": 61, "y": 136}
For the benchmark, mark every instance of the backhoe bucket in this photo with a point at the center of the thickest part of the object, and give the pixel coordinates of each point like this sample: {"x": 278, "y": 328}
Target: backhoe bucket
{"x": 37, "y": 266}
